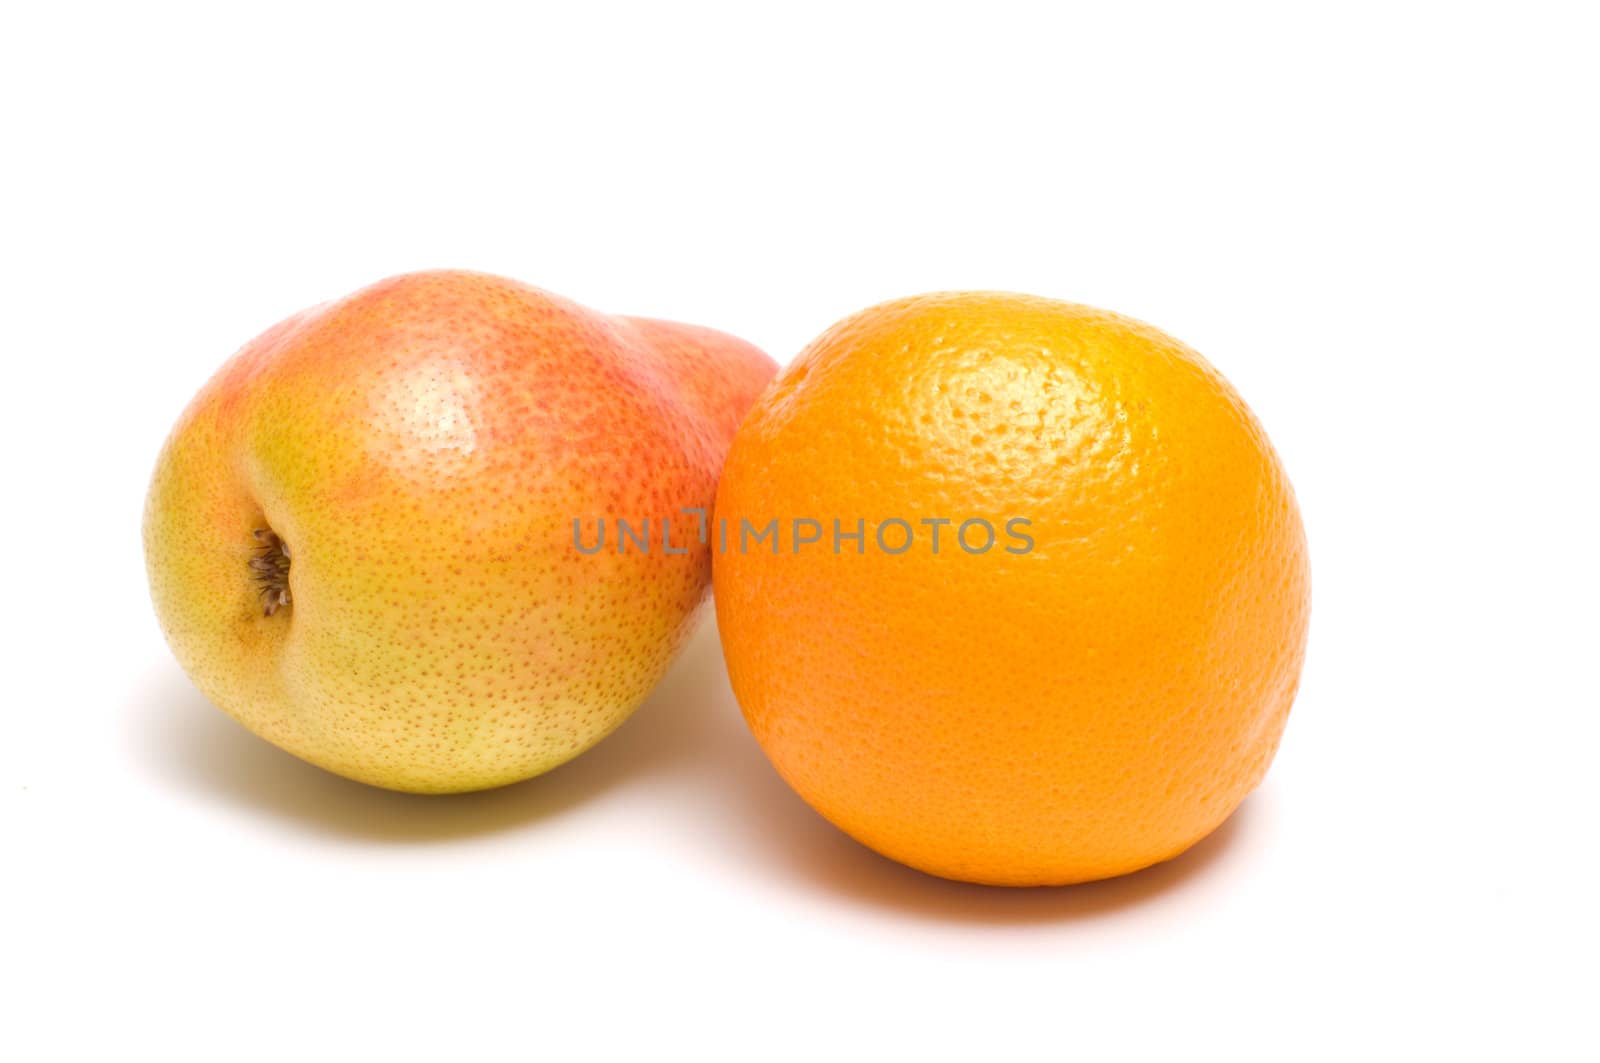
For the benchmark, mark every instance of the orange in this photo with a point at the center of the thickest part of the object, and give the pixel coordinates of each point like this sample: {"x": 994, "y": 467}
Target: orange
{"x": 1087, "y": 688}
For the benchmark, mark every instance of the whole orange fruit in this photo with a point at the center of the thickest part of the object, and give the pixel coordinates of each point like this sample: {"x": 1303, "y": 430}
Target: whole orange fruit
{"x": 1087, "y": 666}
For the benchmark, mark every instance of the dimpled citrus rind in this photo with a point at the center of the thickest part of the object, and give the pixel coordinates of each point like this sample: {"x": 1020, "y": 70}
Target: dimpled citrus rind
{"x": 1080, "y": 710}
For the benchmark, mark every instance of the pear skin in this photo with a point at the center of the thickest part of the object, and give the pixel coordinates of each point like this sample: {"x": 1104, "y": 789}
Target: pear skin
{"x": 360, "y": 535}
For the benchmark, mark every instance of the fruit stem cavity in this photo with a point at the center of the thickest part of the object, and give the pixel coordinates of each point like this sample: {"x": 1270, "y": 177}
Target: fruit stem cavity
{"x": 269, "y": 568}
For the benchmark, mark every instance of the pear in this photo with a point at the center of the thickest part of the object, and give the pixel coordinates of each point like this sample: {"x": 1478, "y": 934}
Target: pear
{"x": 384, "y": 536}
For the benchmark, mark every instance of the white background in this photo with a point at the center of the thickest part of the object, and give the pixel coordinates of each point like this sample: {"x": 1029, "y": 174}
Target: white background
{"x": 1378, "y": 220}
